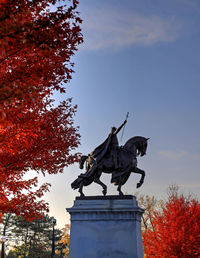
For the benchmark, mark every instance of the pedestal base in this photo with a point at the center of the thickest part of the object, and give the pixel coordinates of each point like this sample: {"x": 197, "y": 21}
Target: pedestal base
{"x": 105, "y": 227}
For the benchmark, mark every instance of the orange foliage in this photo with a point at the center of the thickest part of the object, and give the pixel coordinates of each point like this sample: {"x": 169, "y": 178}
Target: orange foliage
{"x": 175, "y": 229}
{"x": 64, "y": 242}
{"x": 36, "y": 45}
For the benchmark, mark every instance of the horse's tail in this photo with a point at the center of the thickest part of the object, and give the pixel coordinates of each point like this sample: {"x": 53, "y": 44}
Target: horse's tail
{"x": 77, "y": 182}
{"x": 84, "y": 179}
{"x": 82, "y": 161}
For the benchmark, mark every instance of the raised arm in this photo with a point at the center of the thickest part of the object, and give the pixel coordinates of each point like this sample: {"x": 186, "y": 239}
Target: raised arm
{"x": 118, "y": 129}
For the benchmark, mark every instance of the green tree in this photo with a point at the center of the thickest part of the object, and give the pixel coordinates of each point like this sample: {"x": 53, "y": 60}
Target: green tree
{"x": 32, "y": 239}
{"x": 6, "y": 229}
{"x": 12, "y": 254}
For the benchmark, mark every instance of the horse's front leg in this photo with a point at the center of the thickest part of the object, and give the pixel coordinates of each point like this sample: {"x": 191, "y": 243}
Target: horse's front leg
{"x": 98, "y": 181}
{"x": 121, "y": 182}
{"x": 142, "y": 173}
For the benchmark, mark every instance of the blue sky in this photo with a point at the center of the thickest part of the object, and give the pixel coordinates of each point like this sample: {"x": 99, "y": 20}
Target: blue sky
{"x": 141, "y": 56}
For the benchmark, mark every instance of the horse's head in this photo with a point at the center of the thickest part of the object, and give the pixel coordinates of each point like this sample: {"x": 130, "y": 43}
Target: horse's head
{"x": 142, "y": 147}
{"x": 138, "y": 144}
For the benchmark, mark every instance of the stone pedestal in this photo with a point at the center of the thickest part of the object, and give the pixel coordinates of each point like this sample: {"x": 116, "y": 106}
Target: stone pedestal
{"x": 105, "y": 227}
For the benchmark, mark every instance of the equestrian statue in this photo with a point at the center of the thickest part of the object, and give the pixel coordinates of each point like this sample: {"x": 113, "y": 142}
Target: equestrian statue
{"x": 111, "y": 158}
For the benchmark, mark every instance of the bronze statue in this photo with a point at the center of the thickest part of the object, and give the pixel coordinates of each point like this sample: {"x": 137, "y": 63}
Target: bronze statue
{"x": 110, "y": 158}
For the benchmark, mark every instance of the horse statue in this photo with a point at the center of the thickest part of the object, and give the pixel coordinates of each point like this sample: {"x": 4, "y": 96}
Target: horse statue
{"x": 112, "y": 159}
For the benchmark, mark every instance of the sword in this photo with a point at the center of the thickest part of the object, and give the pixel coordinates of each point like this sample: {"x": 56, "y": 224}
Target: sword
{"x": 124, "y": 126}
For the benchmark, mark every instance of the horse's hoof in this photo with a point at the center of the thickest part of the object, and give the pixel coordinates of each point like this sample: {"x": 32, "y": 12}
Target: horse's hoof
{"x": 121, "y": 194}
{"x": 104, "y": 192}
{"x": 82, "y": 194}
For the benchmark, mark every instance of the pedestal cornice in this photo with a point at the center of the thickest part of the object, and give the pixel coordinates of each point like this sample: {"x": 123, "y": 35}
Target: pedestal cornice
{"x": 105, "y": 208}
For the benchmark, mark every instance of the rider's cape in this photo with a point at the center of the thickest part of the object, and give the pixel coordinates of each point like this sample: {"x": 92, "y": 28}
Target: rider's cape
{"x": 97, "y": 155}
{"x": 101, "y": 150}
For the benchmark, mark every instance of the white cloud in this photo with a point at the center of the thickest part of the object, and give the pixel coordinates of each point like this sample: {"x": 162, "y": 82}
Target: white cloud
{"x": 190, "y": 3}
{"x": 191, "y": 185}
{"x": 114, "y": 29}
{"x": 175, "y": 155}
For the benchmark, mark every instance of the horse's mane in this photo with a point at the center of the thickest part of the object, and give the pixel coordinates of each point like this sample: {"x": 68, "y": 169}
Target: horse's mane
{"x": 133, "y": 140}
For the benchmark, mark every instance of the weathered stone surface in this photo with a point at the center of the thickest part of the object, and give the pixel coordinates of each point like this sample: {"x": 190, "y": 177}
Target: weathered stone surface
{"x": 105, "y": 227}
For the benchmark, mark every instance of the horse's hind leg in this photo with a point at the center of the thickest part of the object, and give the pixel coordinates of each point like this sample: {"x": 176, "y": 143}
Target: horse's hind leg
{"x": 81, "y": 189}
{"x": 98, "y": 181}
{"x": 119, "y": 188}
{"x": 142, "y": 173}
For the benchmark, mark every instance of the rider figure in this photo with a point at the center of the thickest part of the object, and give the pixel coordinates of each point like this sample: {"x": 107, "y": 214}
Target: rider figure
{"x": 110, "y": 145}
{"x": 114, "y": 145}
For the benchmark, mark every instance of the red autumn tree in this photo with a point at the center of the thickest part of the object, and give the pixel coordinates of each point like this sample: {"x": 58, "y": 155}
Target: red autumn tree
{"x": 36, "y": 46}
{"x": 174, "y": 230}
{"x": 37, "y": 40}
